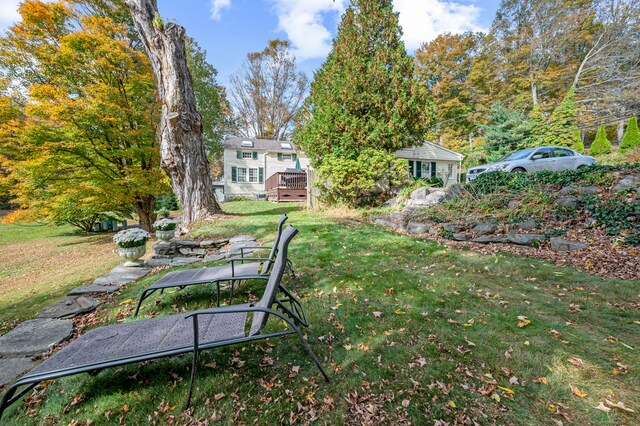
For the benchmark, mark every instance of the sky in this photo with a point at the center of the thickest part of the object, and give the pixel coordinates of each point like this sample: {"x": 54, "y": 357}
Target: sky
{"x": 229, "y": 29}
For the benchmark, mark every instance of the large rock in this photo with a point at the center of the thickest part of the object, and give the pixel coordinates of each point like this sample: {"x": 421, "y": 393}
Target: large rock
{"x": 415, "y": 228}
{"x": 420, "y": 193}
{"x": 526, "y": 239}
{"x": 568, "y": 202}
{"x": 165, "y": 248}
{"x": 460, "y": 237}
{"x": 211, "y": 244}
{"x": 195, "y": 252}
{"x": 35, "y": 337}
{"x": 11, "y": 368}
{"x": 559, "y": 244}
{"x": 451, "y": 227}
{"x": 433, "y": 198}
{"x": 122, "y": 275}
{"x": 186, "y": 243}
{"x": 628, "y": 182}
{"x": 527, "y": 225}
{"x": 70, "y": 307}
{"x": 385, "y": 222}
{"x": 214, "y": 257}
{"x": 578, "y": 190}
{"x": 93, "y": 288}
{"x": 241, "y": 238}
{"x": 489, "y": 240}
{"x": 392, "y": 202}
{"x": 236, "y": 245}
{"x": 485, "y": 228}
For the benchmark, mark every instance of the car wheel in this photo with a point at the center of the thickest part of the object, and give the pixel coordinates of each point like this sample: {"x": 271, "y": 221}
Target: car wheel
{"x": 582, "y": 166}
{"x": 518, "y": 170}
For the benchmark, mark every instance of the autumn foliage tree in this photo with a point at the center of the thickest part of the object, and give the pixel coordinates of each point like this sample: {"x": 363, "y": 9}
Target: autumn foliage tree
{"x": 364, "y": 97}
{"x": 89, "y": 136}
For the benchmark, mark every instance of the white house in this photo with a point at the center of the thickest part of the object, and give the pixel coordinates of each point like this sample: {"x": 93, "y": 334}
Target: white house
{"x": 431, "y": 160}
{"x": 249, "y": 163}
{"x": 257, "y": 167}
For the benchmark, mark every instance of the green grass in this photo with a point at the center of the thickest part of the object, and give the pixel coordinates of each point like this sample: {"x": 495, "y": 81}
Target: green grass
{"x": 410, "y": 330}
{"x": 39, "y": 264}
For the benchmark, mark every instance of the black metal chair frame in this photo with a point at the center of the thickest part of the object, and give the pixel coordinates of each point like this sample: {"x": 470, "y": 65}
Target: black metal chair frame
{"x": 289, "y": 309}
{"x": 262, "y": 266}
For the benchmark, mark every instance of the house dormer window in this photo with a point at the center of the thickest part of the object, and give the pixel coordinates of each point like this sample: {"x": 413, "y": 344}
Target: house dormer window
{"x": 247, "y": 144}
{"x": 285, "y": 145}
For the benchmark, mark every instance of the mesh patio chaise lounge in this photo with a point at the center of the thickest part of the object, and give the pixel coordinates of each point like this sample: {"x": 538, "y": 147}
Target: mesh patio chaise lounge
{"x": 237, "y": 270}
{"x": 136, "y": 341}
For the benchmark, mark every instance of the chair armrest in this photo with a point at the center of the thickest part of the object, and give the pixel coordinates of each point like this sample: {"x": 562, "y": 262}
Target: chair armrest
{"x": 242, "y": 249}
{"x": 244, "y": 259}
{"x": 234, "y": 309}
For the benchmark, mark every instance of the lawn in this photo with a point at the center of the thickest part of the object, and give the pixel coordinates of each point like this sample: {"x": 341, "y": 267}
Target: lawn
{"x": 410, "y": 330}
{"x": 40, "y": 263}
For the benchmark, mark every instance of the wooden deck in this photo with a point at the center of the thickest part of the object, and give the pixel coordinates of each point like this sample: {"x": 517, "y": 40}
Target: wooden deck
{"x": 287, "y": 186}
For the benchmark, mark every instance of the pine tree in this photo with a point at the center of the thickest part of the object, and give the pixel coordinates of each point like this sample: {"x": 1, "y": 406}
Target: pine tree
{"x": 577, "y": 145}
{"x": 631, "y": 138}
{"x": 562, "y": 127}
{"x": 539, "y": 129}
{"x": 365, "y": 94}
{"x": 601, "y": 144}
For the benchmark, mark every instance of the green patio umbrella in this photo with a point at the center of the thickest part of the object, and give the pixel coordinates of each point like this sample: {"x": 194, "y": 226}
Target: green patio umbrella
{"x": 297, "y": 167}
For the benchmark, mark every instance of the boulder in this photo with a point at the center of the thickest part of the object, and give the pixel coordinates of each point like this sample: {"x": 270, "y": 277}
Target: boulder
{"x": 485, "y": 228}
{"x": 451, "y": 227}
{"x": 559, "y": 244}
{"x": 527, "y": 225}
{"x": 197, "y": 252}
{"x": 385, "y": 222}
{"x": 187, "y": 243}
{"x": 165, "y": 248}
{"x": 628, "y": 182}
{"x": 461, "y": 237}
{"x": 234, "y": 248}
{"x": 401, "y": 218}
{"x": 513, "y": 204}
{"x": 435, "y": 230}
{"x": 526, "y": 239}
{"x": 418, "y": 228}
{"x": 70, "y": 307}
{"x": 211, "y": 244}
{"x": 489, "y": 240}
{"x": 420, "y": 193}
{"x": 568, "y": 202}
{"x": 392, "y": 202}
{"x": 578, "y": 190}
{"x": 35, "y": 337}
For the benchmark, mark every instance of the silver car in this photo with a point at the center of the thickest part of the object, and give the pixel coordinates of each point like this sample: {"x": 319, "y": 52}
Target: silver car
{"x": 554, "y": 158}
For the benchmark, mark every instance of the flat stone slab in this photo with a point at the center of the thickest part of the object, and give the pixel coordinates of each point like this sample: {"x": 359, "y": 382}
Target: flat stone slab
{"x": 241, "y": 238}
{"x": 234, "y": 249}
{"x": 385, "y": 222}
{"x": 183, "y": 261}
{"x": 214, "y": 257}
{"x": 461, "y": 237}
{"x": 489, "y": 240}
{"x": 526, "y": 239}
{"x": 11, "y": 368}
{"x": 418, "y": 227}
{"x": 93, "y": 288}
{"x": 122, "y": 275}
{"x": 559, "y": 244}
{"x": 34, "y": 337}
{"x": 485, "y": 228}
{"x": 70, "y": 307}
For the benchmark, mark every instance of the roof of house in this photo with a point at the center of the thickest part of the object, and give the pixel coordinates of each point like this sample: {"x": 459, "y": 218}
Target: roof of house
{"x": 429, "y": 151}
{"x": 260, "y": 144}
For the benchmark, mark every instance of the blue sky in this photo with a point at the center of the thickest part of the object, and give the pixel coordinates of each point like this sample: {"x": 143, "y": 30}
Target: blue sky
{"x": 229, "y": 29}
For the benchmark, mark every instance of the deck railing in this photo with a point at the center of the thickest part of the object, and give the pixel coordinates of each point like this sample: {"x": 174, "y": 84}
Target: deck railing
{"x": 286, "y": 180}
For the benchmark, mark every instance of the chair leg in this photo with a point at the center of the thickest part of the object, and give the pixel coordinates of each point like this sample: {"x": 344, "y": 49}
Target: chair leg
{"x": 8, "y": 398}
{"x": 194, "y": 362}
{"x": 313, "y": 355}
{"x": 144, "y": 296}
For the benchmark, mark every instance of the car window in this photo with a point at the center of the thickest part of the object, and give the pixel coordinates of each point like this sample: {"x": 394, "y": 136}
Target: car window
{"x": 562, "y": 152}
{"x": 544, "y": 152}
{"x": 518, "y": 155}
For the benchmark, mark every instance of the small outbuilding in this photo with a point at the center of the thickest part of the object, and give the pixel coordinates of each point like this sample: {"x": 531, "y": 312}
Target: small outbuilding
{"x": 433, "y": 161}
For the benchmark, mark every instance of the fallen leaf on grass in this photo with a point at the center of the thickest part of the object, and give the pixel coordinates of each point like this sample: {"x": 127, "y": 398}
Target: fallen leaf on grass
{"x": 523, "y": 321}
{"x": 219, "y": 396}
{"x": 577, "y": 392}
{"x": 495, "y": 397}
{"x": 576, "y": 361}
{"x": 511, "y": 391}
{"x": 452, "y": 404}
{"x": 377, "y": 314}
{"x": 602, "y": 407}
{"x": 555, "y": 333}
{"x": 542, "y": 380}
{"x": 619, "y": 405}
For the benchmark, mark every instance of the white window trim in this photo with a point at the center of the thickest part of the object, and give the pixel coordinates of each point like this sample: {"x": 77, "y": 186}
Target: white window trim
{"x": 242, "y": 175}
{"x": 253, "y": 179}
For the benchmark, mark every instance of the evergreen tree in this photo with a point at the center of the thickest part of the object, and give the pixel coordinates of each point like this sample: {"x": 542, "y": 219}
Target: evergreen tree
{"x": 631, "y": 138}
{"x": 577, "y": 145}
{"x": 540, "y": 128}
{"x": 508, "y": 130}
{"x": 601, "y": 144}
{"x": 562, "y": 127}
{"x": 365, "y": 95}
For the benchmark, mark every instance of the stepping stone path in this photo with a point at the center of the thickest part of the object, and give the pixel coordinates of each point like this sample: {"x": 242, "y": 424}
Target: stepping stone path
{"x": 35, "y": 337}
{"x": 71, "y": 307}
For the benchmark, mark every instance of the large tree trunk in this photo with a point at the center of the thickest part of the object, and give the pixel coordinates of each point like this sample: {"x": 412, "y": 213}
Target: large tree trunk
{"x": 145, "y": 209}
{"x": 182, "y": 149}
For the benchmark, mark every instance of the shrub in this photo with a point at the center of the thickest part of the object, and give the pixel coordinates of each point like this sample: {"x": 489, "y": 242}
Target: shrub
{"x": 577, "y": 145}
{"x": 631, "y": 138}
{"x": 164, "y": 225}
{"x": 601, "y": 144}
{"x": 134, "y": 237}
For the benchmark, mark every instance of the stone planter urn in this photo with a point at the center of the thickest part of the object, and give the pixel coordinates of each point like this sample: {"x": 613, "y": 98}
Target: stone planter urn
{"x": 132, "y": 255}
{"x": 165, "y": 235}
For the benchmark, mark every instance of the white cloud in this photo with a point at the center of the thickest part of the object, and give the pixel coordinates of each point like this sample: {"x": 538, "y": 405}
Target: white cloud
{"x": 423, "y": 20}
{"x": 8, "y": 12}
{"x": 216, "y": 8}
{"x": 302, "y": 20}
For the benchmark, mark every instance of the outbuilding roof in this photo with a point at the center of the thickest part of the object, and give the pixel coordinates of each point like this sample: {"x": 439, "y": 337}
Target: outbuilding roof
{"x": 269, "y": 145}
{"x": 429, "y": 151}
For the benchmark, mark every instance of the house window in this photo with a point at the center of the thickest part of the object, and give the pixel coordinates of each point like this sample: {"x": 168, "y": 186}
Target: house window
{"x": 247, "y": 155}
{"x": 253, "y": 175}
{"x": 426, "y": 169}
{"x": 242, "y": 174}
{"x": 286, "y": 157}
{"x": 450, "y": 171}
